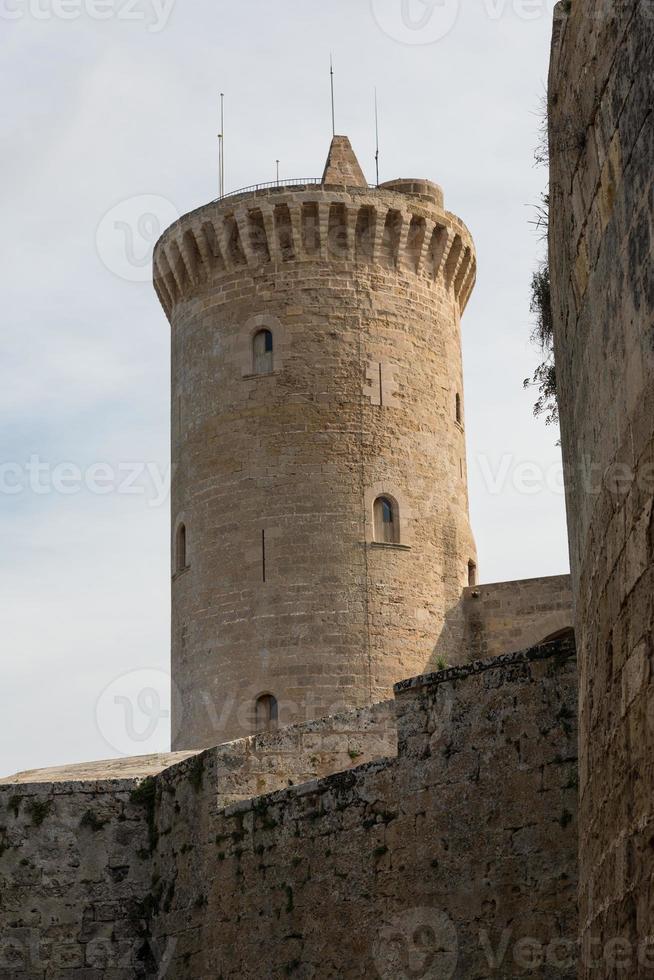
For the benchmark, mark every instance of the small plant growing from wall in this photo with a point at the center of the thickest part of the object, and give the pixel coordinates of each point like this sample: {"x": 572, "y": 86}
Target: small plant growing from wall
{"x": 544, "y": 377}
{"x": 39, "y": 811}
{"x": 542, "y": 336}
{"x": 92, "y": 822}
{"x": 13, "y": 804}
{"x": 145, "y": 795}
{"x": 196, "y": 773}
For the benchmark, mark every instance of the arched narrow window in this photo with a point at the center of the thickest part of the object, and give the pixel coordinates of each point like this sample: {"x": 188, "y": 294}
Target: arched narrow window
{"x": 387, "y": 530}
{"x": 262, "y": 352}
{"x": 266, "y": 713}
{"x": 459, "y": 416}
{"x": 472, "y": 573}
{"x": 180, "y": 548}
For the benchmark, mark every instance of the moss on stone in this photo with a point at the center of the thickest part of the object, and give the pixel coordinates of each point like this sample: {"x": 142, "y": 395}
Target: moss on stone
{"x": 92, "y": 822}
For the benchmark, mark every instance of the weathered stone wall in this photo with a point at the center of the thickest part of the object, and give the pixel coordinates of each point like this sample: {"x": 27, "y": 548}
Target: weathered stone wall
{"x": 458, "y": 856}
{"x": 258, "y": 764}
{"x": 286, "y": 592}
{"x": 506, "y": 616}
{"x": 465, "y": 843}
{"x": 601, "y": 99}
{"x": 74, "y": 873}
{"x": 267, "y": 762}
{"x": 76, "y": 843}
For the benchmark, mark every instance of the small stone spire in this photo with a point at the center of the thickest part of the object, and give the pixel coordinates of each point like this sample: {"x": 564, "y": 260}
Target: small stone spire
{"x": 342, "y": 166}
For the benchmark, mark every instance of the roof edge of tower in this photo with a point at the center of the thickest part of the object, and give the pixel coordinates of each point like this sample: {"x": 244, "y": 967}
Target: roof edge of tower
{"x": 416, "y": 187}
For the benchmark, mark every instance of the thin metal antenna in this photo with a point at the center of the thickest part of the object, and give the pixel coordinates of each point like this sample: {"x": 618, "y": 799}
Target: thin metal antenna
{"x": 376, "y": 137}
{"x": 277, "y": 162}
{"x": 220, "y": 161}
{"x": 220, "y": 165}
{"x": 222, "y": 144}
{"x": 331, "y": 75}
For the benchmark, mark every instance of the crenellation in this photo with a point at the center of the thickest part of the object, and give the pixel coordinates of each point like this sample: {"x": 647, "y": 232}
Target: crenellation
{"x": 244, "y": 228}
{"x": 171, "y": 270}
{"x": 231, "y": 238}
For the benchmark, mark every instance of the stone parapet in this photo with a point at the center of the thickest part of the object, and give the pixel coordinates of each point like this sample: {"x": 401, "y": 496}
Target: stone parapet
{"x": 398, "y": 225}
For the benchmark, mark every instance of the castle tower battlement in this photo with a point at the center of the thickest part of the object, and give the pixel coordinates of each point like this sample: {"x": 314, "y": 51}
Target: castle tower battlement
{"x": 321, "y": 538}
{"x": 400, "y": 225}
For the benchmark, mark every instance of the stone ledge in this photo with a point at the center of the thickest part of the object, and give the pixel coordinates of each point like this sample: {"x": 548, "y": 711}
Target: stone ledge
{"x": 564, "y": 648}
{"x": 105, "y": 771}
{"x": 389, "y": 546}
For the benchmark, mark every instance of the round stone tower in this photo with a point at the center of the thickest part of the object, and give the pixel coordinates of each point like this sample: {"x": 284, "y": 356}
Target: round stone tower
{"x": 321, "y": 538}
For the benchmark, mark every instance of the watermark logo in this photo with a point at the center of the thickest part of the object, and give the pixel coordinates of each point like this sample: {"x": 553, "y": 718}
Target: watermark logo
{"x": 428, "y": 21}
{"x": 134, "y": 712}
{"x": 127, "y": 234}
{"x": 416, "y": 21}
{"x": 420, "y": 944}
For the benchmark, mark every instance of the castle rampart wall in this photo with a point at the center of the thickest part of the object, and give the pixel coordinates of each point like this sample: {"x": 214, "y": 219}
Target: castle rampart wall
{"x": 504, "y": 616}
{"x": 601, "y": 98}
{"x": 457, "y": 855}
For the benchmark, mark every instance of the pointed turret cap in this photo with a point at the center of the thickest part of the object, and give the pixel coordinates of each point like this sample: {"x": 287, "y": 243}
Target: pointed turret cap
{"x": 342, "y": 166}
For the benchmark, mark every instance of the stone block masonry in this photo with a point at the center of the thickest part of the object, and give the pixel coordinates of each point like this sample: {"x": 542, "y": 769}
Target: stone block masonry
{"x": 258, "y": 764}
{"x": 601, "y": 119}
{"x": 74, "y": 873}
{"x": 506, "y": 616}
{"x": 457, "y": 855}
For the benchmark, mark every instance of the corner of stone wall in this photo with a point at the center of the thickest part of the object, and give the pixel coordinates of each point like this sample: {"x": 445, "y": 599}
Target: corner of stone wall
{"x": 431, "y": 703}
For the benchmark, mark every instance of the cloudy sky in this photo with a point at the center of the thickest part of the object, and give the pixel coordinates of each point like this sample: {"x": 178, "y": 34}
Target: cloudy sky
{"x": 109, "y": 119}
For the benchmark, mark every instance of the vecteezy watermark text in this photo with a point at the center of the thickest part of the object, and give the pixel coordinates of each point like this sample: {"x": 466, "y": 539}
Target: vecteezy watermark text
{"x": 154, "y": 13}
{"x": 529, "y": 477}
{"x": 137, "y": 710}
{"x": 149, "y": 478}
{"x": 561, "y": 953}
{"x": 429, "y": 21}
{"x": 40, "y": 477}
{"x": 29, "y": 950}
